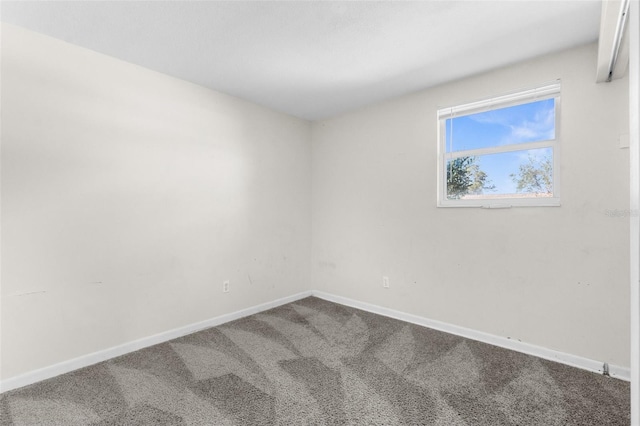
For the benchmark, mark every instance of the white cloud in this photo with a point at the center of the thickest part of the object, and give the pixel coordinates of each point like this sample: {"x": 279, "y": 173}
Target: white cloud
{"x": 542, "y": 127}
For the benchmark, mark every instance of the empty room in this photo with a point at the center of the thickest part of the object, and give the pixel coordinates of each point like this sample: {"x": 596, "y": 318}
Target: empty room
{"x": 320, "y": 213}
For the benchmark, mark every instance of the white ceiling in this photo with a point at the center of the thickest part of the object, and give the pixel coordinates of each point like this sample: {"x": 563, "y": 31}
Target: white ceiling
{"x": 315, "y": 59}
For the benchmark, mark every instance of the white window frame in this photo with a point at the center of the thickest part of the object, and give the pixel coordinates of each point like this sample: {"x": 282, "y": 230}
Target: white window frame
{"x": 542, "y": 92}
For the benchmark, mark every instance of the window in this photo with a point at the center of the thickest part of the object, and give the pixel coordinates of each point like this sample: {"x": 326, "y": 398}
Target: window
{"x": 501, "y": 152}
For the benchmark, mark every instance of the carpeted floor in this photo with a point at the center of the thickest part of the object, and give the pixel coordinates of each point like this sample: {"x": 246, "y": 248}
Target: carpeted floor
{"x": 314, "y": 362}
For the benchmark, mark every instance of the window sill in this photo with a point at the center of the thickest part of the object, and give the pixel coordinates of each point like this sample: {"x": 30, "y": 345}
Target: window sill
{"x": 503, "y": 204}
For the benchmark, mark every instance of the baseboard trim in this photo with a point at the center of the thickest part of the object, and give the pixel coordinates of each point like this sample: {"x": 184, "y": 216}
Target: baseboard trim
{"x": 618, "y": 372}
{"x": 35, "y": 376}
{"x": 103, "y": 355}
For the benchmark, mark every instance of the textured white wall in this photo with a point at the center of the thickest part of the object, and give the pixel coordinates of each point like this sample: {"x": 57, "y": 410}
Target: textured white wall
{"x": 129, "y": 196}
{"x": 556, "y": 277}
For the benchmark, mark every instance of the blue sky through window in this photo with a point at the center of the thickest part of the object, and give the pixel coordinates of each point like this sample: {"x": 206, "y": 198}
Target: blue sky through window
{"x": 534, "y": 121}
{"x": 530, "y": 122}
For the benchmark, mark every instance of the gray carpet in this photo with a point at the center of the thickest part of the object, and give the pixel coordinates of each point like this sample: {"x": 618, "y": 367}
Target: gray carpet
{"x": 314, "y": 362}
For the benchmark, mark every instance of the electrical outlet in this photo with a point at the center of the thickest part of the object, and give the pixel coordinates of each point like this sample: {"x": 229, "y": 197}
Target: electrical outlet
{"x": 385, "y": 282}
{"x": 225, "y": 286}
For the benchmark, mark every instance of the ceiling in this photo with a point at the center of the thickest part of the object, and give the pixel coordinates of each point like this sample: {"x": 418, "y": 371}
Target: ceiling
{"x": 315, "y": 59}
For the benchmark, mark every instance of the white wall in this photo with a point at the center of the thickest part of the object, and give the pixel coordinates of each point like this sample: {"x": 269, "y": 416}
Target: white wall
{"x": 129, "y": 196}
{"x": 634, "y": 153}
{"x": 555, "y": 277}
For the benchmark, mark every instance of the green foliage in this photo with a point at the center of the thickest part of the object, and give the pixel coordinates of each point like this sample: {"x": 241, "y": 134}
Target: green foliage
{"x": 465, "y": 177}
{"x": 535, "y": 176}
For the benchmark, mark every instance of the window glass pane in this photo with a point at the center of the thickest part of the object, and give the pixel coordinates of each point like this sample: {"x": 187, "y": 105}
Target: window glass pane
{"x": 531, "y": 122}
{"x": 516, "y": 174}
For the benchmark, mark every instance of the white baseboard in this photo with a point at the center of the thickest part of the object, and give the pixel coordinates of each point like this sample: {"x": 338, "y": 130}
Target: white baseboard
{"x": 622, "y": 373}
{"x": 103, "y": 355}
